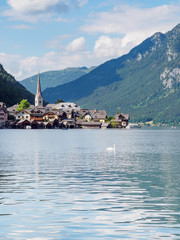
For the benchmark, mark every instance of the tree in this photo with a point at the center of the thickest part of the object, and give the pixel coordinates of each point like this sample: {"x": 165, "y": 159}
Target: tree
{"x": 114, "y": 124}
{"x": 110, "y": 118}
{"x": 59, "y": 100}
{"x": 24, "y": 104}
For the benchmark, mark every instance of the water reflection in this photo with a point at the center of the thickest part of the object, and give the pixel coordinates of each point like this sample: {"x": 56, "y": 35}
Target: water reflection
{"x": 36, "y": 163}
{"x": 57, "y": 185}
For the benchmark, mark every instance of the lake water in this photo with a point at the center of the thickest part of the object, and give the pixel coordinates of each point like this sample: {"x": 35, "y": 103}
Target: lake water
{"x": 57, "y": 184}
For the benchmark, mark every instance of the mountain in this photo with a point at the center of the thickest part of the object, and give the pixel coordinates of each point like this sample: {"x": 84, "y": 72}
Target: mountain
{"x": 11, "y": 91}
{"x": 55, "y": 78}
{"x": 144, "y": 83}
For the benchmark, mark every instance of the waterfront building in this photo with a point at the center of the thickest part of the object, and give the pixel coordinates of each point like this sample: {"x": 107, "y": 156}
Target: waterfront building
{"x": 23, "y": 114}
{"x": 94, "y": 115}
{"x": 122, "y": 120}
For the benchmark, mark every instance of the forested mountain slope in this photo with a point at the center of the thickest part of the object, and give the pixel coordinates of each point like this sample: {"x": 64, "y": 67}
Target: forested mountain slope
{"x": 55, "y": 78}
{"x": 11, "y": 91}
{"x": 144, "y": 83}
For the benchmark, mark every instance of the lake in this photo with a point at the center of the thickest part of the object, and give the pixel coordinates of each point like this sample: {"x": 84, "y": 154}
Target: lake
{"x": 57, "y": 184}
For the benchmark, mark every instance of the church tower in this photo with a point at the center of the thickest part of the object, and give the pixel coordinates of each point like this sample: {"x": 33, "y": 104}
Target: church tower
{"x": 38, "y": 96}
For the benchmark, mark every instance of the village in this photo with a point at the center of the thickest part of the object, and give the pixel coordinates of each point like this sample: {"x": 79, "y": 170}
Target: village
{"x": 62, "y": 115}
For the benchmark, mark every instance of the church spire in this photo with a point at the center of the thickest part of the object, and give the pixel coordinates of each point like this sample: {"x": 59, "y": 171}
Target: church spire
{"x": 38, "y": 96}
{"x": 38, "y": 85}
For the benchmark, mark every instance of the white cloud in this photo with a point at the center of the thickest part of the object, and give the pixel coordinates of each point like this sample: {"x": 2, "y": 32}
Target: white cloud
{"x": 77, "y": 44}
{"x": 22, "y": 26}
{"x": 108, "y": 47}
{"x": 32, "y": 6}
{"x": 126, "y": 19}
{"x": 135, "y": 24}
{"x": 82, "y": 2}
{"x": 72, "y": 55}
{"x": 130, "y": 25}
{"x": 22, "y": 68}
{"x": 18, "y": 66}
{"x": 33, "y": 10}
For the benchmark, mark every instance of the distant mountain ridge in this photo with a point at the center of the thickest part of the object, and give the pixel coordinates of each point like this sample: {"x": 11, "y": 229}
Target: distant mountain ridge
{"x": 11, "y": 91}
{"x": 144, "y": 83}
{"x": 55, "y": 78}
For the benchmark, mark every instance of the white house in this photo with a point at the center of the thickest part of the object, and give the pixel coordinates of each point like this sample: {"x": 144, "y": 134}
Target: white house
{"x": 23, "y": 114}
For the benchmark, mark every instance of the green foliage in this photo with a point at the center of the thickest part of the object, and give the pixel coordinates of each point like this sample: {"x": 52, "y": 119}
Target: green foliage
{"x": 12, "y": 91}
{"x": 131, "y": 83}
{"x": 110, "y": 118}
{"x": 24, "y": 104}
{"x": 59, "y": 100}
{"x": 114, "y": 124}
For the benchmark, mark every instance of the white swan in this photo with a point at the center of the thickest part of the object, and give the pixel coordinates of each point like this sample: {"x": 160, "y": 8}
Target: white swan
{"x": 111, "y": 148}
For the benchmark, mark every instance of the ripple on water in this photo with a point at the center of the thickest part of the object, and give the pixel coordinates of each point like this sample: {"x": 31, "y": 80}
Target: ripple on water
{"x": 67, "y": 186}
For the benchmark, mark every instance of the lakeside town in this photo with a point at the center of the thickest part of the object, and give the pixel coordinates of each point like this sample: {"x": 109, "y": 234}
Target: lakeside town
{"x": 61, "y": 115}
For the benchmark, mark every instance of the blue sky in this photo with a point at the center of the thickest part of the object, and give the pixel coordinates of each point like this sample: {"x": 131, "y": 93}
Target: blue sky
{"x": 43, "y": 35}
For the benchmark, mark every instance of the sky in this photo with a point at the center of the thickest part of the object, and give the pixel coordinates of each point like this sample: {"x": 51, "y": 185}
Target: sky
{"x": 42, "y": 35}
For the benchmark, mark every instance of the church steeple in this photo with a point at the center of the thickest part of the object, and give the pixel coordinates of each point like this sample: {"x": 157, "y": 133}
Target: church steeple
{"x": 38, "y": 96}
{"x": 38, "y": 85}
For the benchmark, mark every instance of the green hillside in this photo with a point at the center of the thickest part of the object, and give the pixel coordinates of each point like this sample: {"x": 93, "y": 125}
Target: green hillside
{"x": 144, "y": 83}
{"x": 55, "y": 78}
{"x": 11, "y": 92}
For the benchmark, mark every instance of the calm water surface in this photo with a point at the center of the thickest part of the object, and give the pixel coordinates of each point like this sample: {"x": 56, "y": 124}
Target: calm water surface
{"x": 57, "y": 184}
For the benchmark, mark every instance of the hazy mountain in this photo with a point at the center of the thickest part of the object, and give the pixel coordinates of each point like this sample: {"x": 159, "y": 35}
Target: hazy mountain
{"x": 11, "y": 91}
{"x": 144, "y": 83}
{"x": 55, "y": 78}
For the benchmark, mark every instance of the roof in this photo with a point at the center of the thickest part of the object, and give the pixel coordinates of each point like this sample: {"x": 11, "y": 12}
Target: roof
{"x": 123, "y": 116}
{"x": 38, "y": 110}
{"x": 23, "y": 120}
{"x": 24, "y": 110}
{"x": 12, "y": 108}
{"x": 50, "y": 106}
{"x": 51, "y": 112}
{"x": 98, "y": 114}
{"x": 68, "y": 120}
{"x": 84, "y": 111}
{"x": 63, "y": 106}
